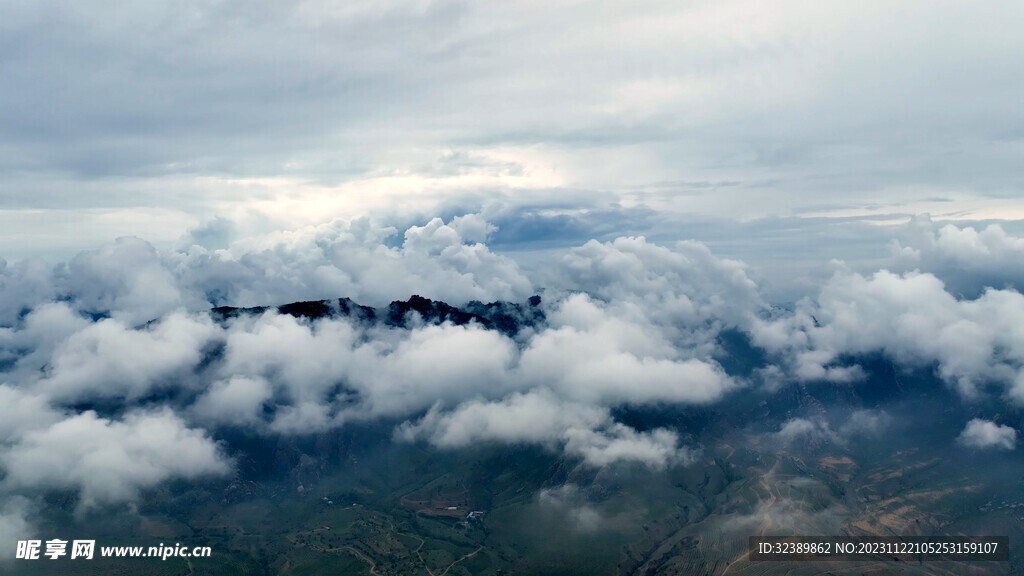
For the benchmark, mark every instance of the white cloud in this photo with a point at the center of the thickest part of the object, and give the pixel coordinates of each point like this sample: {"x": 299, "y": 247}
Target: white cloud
{"x": 540, "y": 417}
{"x": 656, "y": 449}
{"x": 814, "y": 430}
{"x": 235, "y": 401}
{"x": 591, "y": 354}
{"x": 629, "y": 323}
{"x": 354, "y": 259}
{"x": 683, "y": 289}
{"x": 432, "y": 364}
{"x": 110, "y": 461}
{"x": 987, "y": 434}
{"x": 328, "y": 371}
{"x": 910, "y": 318}
{"x": 277, "y": 374}
{"x": 42, "y": 331}
{"x": 968, "y": 260}
{"x": 109, "y": 359}
{"x": 126, "y": 278}
{"x": 23, "y": 286}
{"x": 22, "y": 412}
{"x": 131, "y": 281}
{"x": 536, "y": 417}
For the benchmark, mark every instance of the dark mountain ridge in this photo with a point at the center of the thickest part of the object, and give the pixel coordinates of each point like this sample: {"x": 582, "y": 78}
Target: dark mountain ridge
{"x": 506, "y": 317}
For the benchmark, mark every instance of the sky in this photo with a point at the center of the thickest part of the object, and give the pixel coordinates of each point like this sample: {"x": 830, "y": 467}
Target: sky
{"x": 751, "y": 126}
{"x": 831, "y": 180}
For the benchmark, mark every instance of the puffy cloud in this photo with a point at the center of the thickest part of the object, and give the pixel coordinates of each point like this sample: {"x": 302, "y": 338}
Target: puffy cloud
{"x": 987, "y": 434}
{"x": 21, "y": 412}
{"x": 23, "y": 286}
{"x": 536, "y": 417}
{"x": 620, "y": 443}
{"x": 432, "y": 364}
{"x": 237, "y": 401}
{"x": 804, "y": 429}
{"x": 109, "y": 359}
{"x": 31, "y": 346}
{"x": 277, "y": 374}
{"x": 817, "y": 430}
{"x": 131, "y": 281}
{"x": 354, "y": 259}
{"x": 324, "y": 372}
{"x": 303, "y": 358}
{"x": 110, "y": 461}
{"x": 126, "y": 279}
{"x": 590, "y": 354}
{"x": 685, "y": 289}
{"x": 540, "y": 417}
{"x": 910, "y": 318}
{"x": 968, "y": 260}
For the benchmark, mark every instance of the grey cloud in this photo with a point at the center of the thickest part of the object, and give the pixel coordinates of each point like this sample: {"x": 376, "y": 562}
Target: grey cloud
{"x": 154, "y": 117}
{"x": 215, "y": 234}
{"x": 650, "y": 103}
{"x": 14, "y": 525}
{"x": 23, "y": 286}
{"x": 201, "y": 87}
{"x": 865, "y": 424}
{"x": 568, "y": 501}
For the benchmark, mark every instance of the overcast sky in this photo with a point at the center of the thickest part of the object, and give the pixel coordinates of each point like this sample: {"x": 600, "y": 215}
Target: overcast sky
{"x": 752, "y": 126}
{"x": 859, "y": 162}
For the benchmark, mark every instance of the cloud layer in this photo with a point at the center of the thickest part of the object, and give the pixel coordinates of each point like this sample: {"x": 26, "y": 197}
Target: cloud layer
{"x": 112, "y": 363}
{"x": 160, "y": 115}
